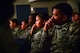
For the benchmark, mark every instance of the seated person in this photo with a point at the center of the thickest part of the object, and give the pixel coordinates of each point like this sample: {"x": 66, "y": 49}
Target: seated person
{"x": 37, "y": 45}
{"x": 13, "y": 23}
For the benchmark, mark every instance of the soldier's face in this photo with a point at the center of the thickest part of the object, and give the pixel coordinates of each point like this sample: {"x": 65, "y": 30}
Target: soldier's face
{"x": 39, "y": 22}
{"x": 11, "y": 24}
{"x": 30, "y": 20}
{"x": 23, "y": 25}
{"x": 57, "y": 15}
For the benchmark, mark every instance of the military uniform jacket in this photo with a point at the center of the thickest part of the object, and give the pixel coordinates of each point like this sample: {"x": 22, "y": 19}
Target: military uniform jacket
{"x": 39, "y": 42}
{"x": 16, "y": 32}
{"x": 65, "y": 38}
{"x": 25, "y": 34}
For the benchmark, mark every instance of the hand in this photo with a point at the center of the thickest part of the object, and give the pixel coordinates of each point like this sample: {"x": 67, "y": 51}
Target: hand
{"x": 33, "y": 29}
{"x": 48, "y": 24}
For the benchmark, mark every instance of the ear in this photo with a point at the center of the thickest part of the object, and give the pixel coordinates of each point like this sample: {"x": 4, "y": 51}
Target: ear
{"x": 64, "y": 17}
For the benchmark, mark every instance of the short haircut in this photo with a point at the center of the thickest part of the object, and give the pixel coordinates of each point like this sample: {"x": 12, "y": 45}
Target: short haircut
{"x": 26, "y": 21}
{"x": 15, "y": 21}
{"x": 65, "y": 9}
{"x": 33, "y": 15}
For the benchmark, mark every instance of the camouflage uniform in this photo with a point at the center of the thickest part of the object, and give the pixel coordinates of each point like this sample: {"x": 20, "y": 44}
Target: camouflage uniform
{"x": 25, "y": 34}
{"x": 16, "y": 32}
{"x": 64, "y": 38}
{"x": 59, "y": 38}
{"x": 74, "y": 37}
{"x": 39, "y": 43}
{"x": 24, "y": 41}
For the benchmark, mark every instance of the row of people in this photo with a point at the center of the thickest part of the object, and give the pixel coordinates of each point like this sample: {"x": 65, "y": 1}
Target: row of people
{"x": 41, "y": 34}
{"x": 23, "y": 32}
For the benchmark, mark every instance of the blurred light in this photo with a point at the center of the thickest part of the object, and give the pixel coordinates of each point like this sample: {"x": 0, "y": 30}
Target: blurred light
{"x": 32, "y": 9}
{"x": 31, "y": 0}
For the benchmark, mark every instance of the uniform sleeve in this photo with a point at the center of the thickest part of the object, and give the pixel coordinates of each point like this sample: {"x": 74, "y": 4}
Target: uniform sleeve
{"x": 45, "y": 42}
{"x": 74, "y": 39}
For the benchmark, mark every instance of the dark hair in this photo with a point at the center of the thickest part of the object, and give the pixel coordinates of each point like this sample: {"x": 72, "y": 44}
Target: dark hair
{"x": 65, "y": 9}
{"x": 26, "y": 21}
{"x": 15, "y": 21}
{"x": 33, "y": 15}
{"x": 75, "y": 13}
{"x": 43, "y": 16}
